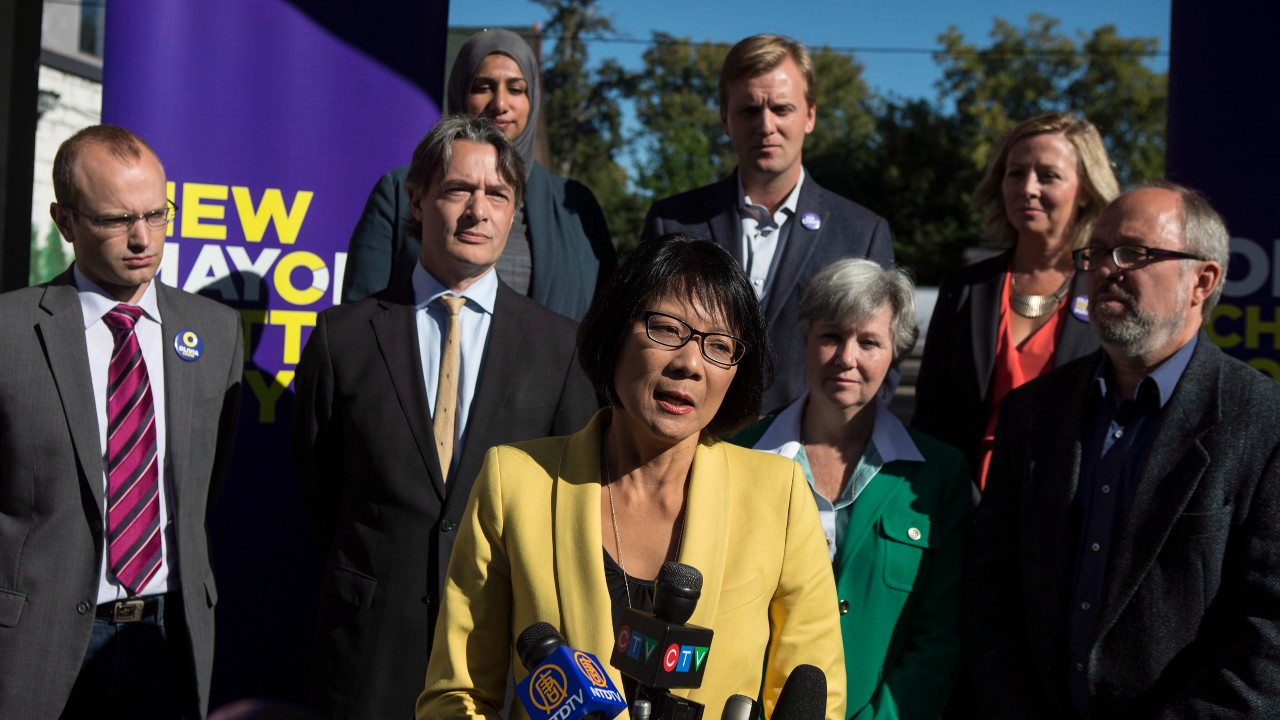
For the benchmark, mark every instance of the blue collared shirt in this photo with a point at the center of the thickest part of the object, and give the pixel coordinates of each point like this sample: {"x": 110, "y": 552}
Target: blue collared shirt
{"x": 1119, "y": 438}
{"x": 433, "y": 325}
{"x": 889, "y": 442}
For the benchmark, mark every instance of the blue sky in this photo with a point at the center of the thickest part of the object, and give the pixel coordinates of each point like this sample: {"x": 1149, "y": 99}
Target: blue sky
{"x": 864, "y": 25}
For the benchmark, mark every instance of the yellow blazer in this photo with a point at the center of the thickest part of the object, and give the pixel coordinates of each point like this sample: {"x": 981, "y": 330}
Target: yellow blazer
{"x": 529, "y": 549}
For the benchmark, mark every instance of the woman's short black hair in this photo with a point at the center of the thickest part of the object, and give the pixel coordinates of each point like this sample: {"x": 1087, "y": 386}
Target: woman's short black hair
{"x": 681, "y": 267}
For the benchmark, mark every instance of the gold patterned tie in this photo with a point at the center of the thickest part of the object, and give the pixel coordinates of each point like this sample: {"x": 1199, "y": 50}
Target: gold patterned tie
{"x": 447, "y": 386}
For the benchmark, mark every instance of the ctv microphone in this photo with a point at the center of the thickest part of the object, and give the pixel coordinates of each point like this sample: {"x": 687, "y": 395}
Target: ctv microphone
{"x": 803, "y": 696}
{"x": 739, "y": 707}
{"x": 563, "y": 683}
{"x": 657, "y": 649}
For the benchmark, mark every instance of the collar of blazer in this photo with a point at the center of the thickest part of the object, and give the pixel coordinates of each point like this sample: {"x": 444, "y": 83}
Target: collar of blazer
{"x": 580, "y": 563}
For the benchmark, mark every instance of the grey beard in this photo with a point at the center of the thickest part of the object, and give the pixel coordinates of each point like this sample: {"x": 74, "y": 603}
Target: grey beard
{"x": 1134, "y": 332}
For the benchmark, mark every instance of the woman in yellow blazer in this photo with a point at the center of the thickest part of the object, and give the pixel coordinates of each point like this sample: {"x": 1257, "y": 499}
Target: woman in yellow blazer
{"x": 570, "y": 530}
{"x": 894, "y": 502}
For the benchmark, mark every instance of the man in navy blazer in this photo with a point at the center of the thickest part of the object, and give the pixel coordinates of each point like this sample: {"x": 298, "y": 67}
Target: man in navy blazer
{"x": 778, "y": 222}
{"x": 1127, "y": 556}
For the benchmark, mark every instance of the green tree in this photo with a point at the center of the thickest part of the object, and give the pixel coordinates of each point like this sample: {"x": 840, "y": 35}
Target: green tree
{"x": 48, "y": 258}
{"x": 1026, "y": 71}
{"x": 683, "y": 141}
{"x": 582, "y": 113}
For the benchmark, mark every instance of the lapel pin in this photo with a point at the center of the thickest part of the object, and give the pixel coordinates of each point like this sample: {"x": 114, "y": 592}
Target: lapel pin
{"x": 811, "y": 221}
{"x": 188, "y": 345}
{"x": 1080, "y": 308}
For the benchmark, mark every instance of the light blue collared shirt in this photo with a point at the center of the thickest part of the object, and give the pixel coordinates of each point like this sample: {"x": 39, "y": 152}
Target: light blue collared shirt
{"x": 433, "y": 325}
{"x": 889, "y": 442}
{"x": 94, "y": 304}
{"x": 764, "y": 236}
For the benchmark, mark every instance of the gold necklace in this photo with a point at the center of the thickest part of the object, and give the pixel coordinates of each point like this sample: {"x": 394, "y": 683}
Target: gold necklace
{"x": 613, "y": 516}
{"x": 1034, "y": 306}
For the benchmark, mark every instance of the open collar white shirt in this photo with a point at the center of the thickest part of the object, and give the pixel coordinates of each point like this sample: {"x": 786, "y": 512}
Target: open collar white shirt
{"x": 764, "y": 235}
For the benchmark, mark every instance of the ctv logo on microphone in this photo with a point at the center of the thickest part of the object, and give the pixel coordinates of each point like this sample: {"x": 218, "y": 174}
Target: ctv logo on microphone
{"x": 675, "y": 658}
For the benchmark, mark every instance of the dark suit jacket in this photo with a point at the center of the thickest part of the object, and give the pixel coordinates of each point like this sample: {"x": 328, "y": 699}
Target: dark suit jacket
{"x": 568, "y": 239}
{"x": 847, "y": 230}
{"x": 371, "y": 480}
{"x": 51, "y": 484}
{"x": 960, "y": 353}
{"x": 1190, "y": 616}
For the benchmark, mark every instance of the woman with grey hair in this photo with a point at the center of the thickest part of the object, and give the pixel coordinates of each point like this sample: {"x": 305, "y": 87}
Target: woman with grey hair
{"x": 894, "y": 502}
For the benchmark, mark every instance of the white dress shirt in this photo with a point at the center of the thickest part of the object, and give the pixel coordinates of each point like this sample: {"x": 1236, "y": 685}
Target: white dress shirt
{"x": 96, "y": 303}
{"x": 764, "y": 236}
{"x": 433, "y": 326}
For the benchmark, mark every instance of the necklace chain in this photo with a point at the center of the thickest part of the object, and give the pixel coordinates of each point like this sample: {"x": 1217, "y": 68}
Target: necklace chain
{"x": 1034, "y": 306}
{"x": 613, "y": 516}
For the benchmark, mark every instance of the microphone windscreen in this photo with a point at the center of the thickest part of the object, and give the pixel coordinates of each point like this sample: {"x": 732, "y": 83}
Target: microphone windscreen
{"x": 536, "y": 643}
{"x": 739, "y": 707}
{"x": 676, "y": 592}
{"x": 803, "y": 696}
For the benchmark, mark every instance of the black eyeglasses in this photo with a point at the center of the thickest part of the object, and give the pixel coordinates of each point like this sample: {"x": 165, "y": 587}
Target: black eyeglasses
{"x": 673, "y": 332}
{"x": 1126, "y": 257}
{"x": 115, "y": 223}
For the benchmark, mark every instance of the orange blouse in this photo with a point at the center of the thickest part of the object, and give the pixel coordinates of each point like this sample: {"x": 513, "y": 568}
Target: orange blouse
{"x": 1015, "y": 365}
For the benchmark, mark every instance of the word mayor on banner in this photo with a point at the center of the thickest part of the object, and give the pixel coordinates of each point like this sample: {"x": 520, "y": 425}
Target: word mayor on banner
{"x": 239, "y": 245}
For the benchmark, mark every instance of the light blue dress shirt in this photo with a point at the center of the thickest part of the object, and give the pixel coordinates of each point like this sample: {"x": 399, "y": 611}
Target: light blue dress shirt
{"x": 433, "y": 326}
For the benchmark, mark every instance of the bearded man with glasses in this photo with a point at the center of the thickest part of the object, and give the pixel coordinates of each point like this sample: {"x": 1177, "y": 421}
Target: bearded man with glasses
{"x": 1126, "y": 559}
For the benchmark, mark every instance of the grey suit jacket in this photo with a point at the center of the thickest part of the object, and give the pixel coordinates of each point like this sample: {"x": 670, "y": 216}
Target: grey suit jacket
{"x": 371, "y": 480}
{"x": 847, "y": 230}
{"x": 1190, "y": 616}
{"x": 51, "y": 486}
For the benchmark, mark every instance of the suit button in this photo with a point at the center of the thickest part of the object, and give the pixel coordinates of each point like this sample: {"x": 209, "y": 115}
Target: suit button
{"x": 82, "y": 607}
{"x": 914, "y": 533}
{"x": 844, "y": 607}
{"x": 447, "y": 526}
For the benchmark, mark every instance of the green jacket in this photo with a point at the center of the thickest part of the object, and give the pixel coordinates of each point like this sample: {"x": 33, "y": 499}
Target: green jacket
{"x": 898, "y": 571}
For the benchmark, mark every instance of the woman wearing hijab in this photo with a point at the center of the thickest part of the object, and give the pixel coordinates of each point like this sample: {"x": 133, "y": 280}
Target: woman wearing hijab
{"x": 559, "y": 249}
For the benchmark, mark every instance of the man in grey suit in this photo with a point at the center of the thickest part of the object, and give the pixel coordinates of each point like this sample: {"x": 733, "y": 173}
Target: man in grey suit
{"x": 1127, "y": 554}
{"x": 398, "y": 398}
{"x": 118, "y": 402}
{"x": 778, "y": 222}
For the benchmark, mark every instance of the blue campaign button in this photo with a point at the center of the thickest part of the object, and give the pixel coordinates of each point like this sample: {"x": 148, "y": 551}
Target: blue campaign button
{"x": 188, "y": 345}
{"x": 1080, "y": 307}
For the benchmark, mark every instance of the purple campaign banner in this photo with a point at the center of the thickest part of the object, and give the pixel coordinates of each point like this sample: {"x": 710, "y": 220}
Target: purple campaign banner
{"x": 274, "y": 120}
{"x": 1224, "y": 111}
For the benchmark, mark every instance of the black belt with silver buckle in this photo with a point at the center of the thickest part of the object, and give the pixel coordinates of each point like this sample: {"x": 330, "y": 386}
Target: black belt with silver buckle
{"x": 132, "y": 610}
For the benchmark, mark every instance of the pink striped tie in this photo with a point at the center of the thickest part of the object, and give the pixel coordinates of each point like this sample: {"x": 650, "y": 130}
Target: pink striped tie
{"x": 133, "y": 477}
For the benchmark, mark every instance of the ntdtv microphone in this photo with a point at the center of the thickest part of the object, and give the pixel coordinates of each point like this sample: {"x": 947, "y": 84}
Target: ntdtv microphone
{"x": 563, "y": 683}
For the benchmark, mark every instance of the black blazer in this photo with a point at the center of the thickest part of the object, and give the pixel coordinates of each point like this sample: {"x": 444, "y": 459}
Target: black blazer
{"x": 847, "y": 230}
{"x": 568, "y": 240}
{"x": 371, "y": 479}
{"x": 1190, "y": 617}
{"x": 960, "y": 353}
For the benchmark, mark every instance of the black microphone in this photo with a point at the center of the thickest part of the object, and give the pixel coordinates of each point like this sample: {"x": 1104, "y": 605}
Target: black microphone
{"x": 803, "y": 696}
{"x": 563, "y": 683}
{"x": 739, "y": 707}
